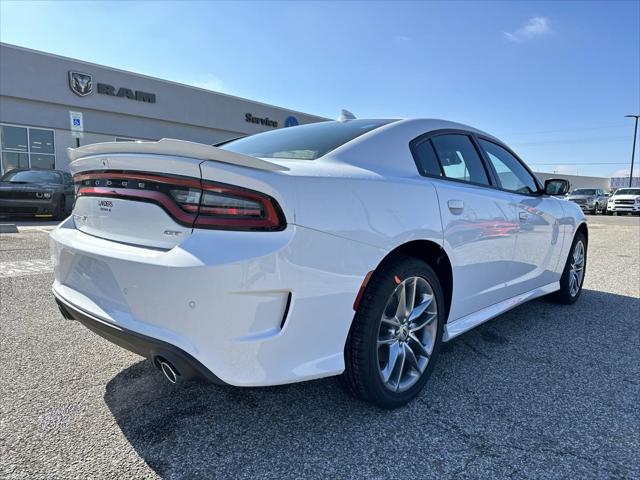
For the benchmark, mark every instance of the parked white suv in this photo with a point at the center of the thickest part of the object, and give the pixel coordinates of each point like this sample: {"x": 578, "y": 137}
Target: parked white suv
{"x": 625, "y": 200}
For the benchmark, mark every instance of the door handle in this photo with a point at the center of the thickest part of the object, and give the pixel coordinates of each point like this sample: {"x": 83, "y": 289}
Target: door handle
{"x": 524, "y": 216}
{"x": 455, "y": 206}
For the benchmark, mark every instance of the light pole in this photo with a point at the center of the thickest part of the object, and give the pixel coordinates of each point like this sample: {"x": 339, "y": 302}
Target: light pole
{"x": 633, "y": 152}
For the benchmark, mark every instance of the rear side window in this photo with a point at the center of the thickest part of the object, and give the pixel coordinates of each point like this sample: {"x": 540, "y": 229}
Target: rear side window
{"x": 304, "y": 142}
{"x": 427, "y": 159}
{"x": 459, "y": 158}
{"x": 511, "y": 173}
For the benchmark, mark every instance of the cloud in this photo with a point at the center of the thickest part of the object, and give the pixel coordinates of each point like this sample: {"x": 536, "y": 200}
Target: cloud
{"x": 535, "y": 27}
{"x": 401, "y": 39}
{"x": 624, "y": 172}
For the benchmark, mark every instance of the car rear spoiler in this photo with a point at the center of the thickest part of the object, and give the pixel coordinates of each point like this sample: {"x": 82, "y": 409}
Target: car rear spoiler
{"x": 170, "y": 146}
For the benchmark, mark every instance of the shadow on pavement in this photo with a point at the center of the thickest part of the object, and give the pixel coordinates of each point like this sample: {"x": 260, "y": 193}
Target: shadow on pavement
{"x": 541, "y": 388}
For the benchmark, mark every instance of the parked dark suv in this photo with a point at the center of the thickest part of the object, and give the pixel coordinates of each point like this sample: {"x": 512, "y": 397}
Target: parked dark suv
{"x": 35, "y": 192}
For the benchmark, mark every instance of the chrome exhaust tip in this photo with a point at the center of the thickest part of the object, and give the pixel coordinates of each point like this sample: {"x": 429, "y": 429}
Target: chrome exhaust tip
{"x": 168, "y": 370}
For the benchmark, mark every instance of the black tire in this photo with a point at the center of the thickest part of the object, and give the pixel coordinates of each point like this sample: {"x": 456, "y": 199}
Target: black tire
{"x": 361, "y": 377}
{"x": 564, "y": 295}
{"x": 60, "y": 212}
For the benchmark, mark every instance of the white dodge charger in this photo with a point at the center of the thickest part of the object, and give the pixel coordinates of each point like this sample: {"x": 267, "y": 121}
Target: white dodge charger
{"x": 350, "y": 248}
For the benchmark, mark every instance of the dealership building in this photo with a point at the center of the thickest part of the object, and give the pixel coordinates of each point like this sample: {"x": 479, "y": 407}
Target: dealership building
{"x": 49, "y": 103}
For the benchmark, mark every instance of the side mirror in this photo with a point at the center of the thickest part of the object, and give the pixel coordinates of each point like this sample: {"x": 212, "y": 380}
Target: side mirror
{"x": 556, "y": 186}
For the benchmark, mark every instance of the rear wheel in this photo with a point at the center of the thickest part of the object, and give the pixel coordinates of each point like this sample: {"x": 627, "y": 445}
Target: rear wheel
{"x": 396, "y": 333}
{"x": 573, "y": 274}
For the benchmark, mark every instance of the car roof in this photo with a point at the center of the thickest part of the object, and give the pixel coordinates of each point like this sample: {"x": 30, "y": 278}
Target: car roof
{"x": 373, "y": 149}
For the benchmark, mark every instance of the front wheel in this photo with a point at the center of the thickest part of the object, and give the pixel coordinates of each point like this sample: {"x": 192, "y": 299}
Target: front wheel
{"x": 573, "y": 274}
{"x": 396, "y": 333}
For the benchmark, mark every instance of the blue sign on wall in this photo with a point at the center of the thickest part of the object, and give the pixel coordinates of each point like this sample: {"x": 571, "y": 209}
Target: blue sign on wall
{"x": 291, "y": 121}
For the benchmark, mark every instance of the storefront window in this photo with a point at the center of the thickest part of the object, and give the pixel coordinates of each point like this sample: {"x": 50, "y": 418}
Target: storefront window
{"x": 40, "y": 141}
{"x": 39, "y": 160}
{"x": 24, "y": 147}
{"x": 14, "y": 139}
{"x": 11, "y": 160}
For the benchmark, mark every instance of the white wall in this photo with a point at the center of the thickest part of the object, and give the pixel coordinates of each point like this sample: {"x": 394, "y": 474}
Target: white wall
{"x": 577, "y": 181}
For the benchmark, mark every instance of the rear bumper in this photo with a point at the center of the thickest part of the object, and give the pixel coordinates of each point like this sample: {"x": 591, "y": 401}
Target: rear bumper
{"x": 188, "y": 367}
{"x": 253, "y": 308}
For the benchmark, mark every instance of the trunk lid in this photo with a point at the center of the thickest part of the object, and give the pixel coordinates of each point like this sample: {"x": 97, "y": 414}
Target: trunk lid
{"x": 145, "y": 193}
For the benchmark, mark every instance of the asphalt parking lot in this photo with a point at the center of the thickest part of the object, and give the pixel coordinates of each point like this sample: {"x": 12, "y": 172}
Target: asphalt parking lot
{"x": 544, "y": 391}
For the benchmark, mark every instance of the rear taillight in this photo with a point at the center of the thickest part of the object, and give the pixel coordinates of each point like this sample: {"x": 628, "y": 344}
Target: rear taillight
{"x": 224, "y": 206}
{"x": 188, "y": 201}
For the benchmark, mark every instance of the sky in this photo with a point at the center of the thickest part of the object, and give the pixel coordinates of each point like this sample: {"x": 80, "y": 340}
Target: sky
{"x": 553, "y": 80}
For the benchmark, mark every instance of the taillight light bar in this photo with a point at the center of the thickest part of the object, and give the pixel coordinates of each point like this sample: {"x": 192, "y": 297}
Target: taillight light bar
{"x": 190, "y": 202}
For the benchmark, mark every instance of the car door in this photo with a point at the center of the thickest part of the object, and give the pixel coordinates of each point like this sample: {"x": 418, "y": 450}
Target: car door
{"x": 538, "y": 243}
{"x": 479, "y": 221}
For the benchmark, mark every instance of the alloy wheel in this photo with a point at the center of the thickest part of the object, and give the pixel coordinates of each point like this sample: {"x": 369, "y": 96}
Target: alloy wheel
{"x": 407, "y": 334}
{"x": 576, "y": 273}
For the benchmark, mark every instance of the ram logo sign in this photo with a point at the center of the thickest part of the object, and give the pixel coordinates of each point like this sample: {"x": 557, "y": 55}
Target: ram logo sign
{"x": 80, "y": 83}
{"x": 123, "y": 92}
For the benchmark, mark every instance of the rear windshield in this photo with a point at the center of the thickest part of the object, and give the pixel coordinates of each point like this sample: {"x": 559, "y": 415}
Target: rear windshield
{"x": 584, "y": 191}
{"x": 32, "y": 176}
{"x": 304, "y": 142}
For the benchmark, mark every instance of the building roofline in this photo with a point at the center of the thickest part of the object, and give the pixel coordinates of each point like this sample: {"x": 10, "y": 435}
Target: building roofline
{"x": 157, "y": 79}
{"x": 573, "y": 175}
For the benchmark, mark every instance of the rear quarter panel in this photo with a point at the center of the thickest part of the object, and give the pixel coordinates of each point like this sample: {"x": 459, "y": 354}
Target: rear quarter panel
{"x": 377, "y": 211}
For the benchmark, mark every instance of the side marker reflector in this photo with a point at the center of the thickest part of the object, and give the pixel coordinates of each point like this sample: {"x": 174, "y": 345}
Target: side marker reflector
{"x": 356, "y": 302}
